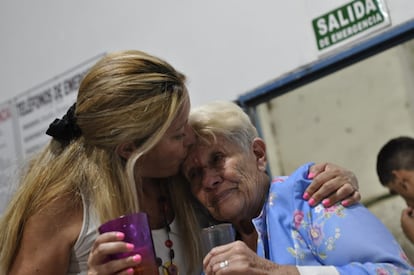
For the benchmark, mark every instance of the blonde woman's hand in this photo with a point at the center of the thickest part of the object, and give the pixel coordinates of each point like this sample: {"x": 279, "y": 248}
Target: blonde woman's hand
{"x": 331, "y": 184}
{"x": 105, "y": 245}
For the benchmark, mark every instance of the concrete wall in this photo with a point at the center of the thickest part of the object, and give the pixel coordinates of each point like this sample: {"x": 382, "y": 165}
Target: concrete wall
{"x": 344, "y": 118}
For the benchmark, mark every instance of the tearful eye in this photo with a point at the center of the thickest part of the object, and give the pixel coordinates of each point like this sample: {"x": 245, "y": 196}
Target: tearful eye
{"x": 217, "y": 159}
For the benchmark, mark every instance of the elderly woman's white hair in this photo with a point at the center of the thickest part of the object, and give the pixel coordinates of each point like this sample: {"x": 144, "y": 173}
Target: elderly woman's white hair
{"x": 223, "y": 118}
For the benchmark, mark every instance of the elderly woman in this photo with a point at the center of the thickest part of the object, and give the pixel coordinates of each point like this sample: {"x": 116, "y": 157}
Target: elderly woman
{"x": 227, "y": 172}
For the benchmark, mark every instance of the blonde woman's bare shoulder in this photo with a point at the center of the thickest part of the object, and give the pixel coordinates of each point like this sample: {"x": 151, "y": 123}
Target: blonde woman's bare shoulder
{"x": 48, "y": 238}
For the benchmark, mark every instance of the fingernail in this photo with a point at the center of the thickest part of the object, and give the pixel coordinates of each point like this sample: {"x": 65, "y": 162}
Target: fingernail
{"x": 311, "y": 175}
{"x": 120, "y": 235}
{"x": 311, "y": 201}
{"x": 130, "y": 246}
{"x": 345, "y": 203}
{"x": 326, "y": 202}
{"x": 137, "y": 258}
{"x": 130, "y": 271}
{"x": 306, "y": 196}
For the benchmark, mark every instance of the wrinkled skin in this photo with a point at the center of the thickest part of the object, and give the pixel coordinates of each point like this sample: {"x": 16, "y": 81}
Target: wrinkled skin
{"x": 242, "y": 260}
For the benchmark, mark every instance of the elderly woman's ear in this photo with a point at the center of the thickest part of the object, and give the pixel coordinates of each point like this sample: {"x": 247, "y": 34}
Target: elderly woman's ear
{"x": 259, "y": 150}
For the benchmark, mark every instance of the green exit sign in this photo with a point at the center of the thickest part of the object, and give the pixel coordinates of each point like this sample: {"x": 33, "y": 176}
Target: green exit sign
{"x": 347, "y": 21}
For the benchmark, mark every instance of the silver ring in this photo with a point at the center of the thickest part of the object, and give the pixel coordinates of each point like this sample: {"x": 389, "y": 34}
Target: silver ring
{"x": 224, "y": 264}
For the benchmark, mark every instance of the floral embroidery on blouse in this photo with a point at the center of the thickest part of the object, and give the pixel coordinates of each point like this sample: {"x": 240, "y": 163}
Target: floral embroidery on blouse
{"x": 323, "y": 240}
{"x": 292, "y": 232}
{"x": 272, "y": 198}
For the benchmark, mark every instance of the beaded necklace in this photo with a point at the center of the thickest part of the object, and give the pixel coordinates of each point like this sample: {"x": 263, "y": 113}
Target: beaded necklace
{"x": 169, "y": 268}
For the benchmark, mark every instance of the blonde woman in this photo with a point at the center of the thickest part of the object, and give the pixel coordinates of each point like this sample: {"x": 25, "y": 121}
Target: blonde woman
{"x": 111, "y": 154}
{"x": 128, "y": 130}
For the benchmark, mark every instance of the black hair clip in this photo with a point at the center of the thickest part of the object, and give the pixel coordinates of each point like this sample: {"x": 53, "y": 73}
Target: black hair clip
{"x": 65, "y": 129}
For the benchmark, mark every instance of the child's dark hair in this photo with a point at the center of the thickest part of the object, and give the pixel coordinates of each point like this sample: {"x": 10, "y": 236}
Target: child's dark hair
{"x": 396, "y": 154}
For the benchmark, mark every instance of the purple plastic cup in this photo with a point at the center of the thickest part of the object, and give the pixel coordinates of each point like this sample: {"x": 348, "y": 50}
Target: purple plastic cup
{"x": 137, "y": 231}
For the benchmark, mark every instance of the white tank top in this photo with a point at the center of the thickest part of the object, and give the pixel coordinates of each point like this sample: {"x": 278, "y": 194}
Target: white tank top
{"x": 80, "y": 252}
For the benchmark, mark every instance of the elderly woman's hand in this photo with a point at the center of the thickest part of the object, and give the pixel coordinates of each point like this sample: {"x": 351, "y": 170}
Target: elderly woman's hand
{"x": 106, "y": 244}
{"x": 238, "y": 258}
{"x": 332, "y": 184}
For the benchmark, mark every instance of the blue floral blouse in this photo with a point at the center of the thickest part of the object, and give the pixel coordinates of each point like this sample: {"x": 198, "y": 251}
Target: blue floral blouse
{"x": 351, "y": 239}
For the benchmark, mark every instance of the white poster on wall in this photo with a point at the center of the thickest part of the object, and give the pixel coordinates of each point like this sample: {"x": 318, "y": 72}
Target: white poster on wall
{"x": 8, "y": 152}
{"x": 25, "y": 119}
{"x": 37, "y": 108}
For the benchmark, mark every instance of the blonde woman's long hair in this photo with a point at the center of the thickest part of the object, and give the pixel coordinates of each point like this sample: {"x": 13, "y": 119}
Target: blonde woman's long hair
{"x": 126, "y": 96}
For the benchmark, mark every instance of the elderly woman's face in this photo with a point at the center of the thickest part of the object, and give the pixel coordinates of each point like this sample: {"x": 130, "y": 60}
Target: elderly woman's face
{"x": 224, "y": 178}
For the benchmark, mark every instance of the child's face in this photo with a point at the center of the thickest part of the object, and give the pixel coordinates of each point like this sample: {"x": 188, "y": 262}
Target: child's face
{"x": 403, "y": 185}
